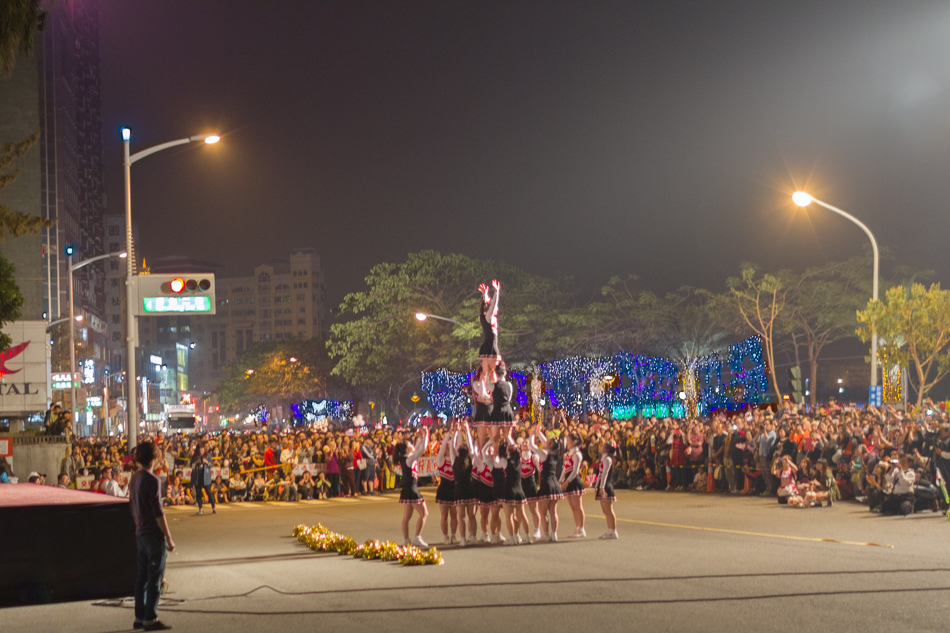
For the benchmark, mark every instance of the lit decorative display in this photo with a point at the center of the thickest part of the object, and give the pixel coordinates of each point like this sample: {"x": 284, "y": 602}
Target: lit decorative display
{"x": 893, "y": 379}
{"x": 310, "y": 411}
{"x": 625, "y": 384}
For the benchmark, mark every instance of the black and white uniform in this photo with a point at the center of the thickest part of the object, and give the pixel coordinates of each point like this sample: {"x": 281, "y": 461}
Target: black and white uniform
{"x": 498, "y": 473}
{"x": 445, "y": 493}
{"x": 513, "y": 493}
{"x": 573, "y": 485}
{"x": 482, "y": 412}
{"x": 501, "y": 411}
{"x": 410, "y": 478}
{"x": 464, "y": 486}
{"x": 605, "y": 475}
{"x": 489, "y": 323}
{"x": 549, "y": 487}
{"x": 529, "y": 470}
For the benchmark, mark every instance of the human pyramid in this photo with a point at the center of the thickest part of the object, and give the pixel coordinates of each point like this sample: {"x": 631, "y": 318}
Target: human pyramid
{"x": 493, "y": 472}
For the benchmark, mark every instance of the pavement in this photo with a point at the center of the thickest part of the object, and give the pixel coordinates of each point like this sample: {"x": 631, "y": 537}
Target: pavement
{"x": 684, "y": 562}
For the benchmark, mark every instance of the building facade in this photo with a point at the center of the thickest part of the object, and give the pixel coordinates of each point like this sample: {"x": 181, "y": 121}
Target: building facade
{"x": 56, "y": 91}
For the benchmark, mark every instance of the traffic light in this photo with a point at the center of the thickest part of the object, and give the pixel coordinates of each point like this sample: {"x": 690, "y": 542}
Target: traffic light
{"x": 795, "y": 385}
{"x": 69, "y": 250}
{"x": 160, "y": 294}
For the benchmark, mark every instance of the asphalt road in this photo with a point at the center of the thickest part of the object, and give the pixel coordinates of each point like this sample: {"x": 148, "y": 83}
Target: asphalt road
{"x": 684, "y": 562}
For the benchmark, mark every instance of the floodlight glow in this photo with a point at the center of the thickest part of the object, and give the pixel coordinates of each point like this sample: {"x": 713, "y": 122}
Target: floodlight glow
{"x": 421, "y": 316}
{"x": 802, "y": 199}
{"x": 126, "y": 133}
{"x": 212, "y": 138}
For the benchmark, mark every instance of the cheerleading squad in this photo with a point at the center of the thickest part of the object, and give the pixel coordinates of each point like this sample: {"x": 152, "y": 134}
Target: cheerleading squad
{"x": 518, "y": 485}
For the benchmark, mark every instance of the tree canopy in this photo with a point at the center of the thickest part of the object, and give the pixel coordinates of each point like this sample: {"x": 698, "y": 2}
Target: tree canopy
{"x": 913, "y": 324}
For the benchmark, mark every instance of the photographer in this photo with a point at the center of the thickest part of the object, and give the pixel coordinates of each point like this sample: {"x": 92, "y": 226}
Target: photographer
{"x": 901, "y": 479}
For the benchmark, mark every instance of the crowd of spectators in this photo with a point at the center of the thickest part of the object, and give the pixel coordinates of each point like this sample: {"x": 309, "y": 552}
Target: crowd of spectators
{"x": 803, "y": 456}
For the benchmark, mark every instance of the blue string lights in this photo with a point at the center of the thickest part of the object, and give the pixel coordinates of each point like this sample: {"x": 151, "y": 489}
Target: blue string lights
{"x": 310, "y": 411}
{"x": 624, "y": 384}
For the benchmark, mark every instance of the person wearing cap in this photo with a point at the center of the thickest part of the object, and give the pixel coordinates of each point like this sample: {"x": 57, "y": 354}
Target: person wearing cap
{"x": 37, "y": 478}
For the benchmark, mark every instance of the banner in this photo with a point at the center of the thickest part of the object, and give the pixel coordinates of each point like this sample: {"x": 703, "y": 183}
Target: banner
{"x": 425, "y": 467}
{"x": 313, "y": 469}
{"x": 84, "y": 482}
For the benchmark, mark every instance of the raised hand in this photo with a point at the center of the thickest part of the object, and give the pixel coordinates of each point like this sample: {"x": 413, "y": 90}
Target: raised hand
{"x": 483, "y": 289}
{"x": 495, "y": 284}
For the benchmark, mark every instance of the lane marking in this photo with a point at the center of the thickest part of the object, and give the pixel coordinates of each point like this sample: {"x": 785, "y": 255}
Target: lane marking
{"x": 744, "y": 533}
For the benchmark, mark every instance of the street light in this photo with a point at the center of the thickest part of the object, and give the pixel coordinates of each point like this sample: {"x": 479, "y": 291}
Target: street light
{"x": 803, "y": 199}
{"x": 70, "y": 250}
{"x": 130, "y": 340}
{"x": 422, "y": 316}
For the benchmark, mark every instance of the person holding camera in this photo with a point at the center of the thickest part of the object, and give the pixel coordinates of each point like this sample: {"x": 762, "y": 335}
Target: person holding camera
{"x": 901, "y": 478}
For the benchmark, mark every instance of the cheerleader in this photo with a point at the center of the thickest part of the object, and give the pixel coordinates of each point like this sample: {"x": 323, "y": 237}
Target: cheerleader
{"x": 529, "y": 484}
{"x": 498, "y": 458}
{"x": 482, "y": 469}
{"x": 406, "y": 455}
{"x": 445, "y": 493}
{"x": 465, "y": 497}
{"x": 549, "y": 492}
{"x": 572, "y": 484}
{"x": 605, "y": 488}
{"x": 482, "y": 389}
{"x": 513, "y": 498}
{"x": 489, "y": 352}
{"x": 502, "y": 415}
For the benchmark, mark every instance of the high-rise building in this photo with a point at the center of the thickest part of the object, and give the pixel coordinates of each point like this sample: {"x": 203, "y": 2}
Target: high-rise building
{"x": 56, "y": 91}
{"x": 282, "y": 300}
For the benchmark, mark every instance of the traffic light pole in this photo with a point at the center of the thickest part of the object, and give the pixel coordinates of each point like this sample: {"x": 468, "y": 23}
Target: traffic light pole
{"x": 131, "y": 402}
{"x": 72, "y": 351}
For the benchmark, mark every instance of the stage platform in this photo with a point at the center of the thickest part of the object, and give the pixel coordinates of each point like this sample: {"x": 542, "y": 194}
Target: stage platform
{"x": 59, "y": 545}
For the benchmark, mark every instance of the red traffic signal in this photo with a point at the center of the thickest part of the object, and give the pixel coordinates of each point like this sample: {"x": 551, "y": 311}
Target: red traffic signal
{"x": 180, "y": 285}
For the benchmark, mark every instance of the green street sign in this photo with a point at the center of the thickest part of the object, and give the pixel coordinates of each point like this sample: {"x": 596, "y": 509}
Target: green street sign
{"x": 177, "y": 304}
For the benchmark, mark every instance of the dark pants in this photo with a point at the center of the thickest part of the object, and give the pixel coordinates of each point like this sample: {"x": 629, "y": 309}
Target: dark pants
{"x": 347, "y": 481}
{"x": 148, "y": 582}
{"x": 334, "y": 479}
{"x": 207, "y": 489}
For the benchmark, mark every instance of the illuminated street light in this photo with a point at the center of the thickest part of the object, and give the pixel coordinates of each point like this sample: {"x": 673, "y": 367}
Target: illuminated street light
{"x": 130, "y": 340}
{"x": 422, "y": 316}
{"x": 804, "y": 199}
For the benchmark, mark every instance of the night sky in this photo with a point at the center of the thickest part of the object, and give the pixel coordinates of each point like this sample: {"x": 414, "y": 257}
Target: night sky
{"x": 586, "y": 138}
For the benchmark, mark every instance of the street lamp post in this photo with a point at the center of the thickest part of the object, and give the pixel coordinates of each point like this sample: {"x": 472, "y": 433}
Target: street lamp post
{"x": 72, "y": 322}
{"x": 422, "y": 316}
{"x": 130, "y": 335}
{"x": 803, "y": 199}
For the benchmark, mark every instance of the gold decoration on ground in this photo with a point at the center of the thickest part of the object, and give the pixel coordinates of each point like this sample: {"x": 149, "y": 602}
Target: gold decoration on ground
{"x": 321, "y": 539}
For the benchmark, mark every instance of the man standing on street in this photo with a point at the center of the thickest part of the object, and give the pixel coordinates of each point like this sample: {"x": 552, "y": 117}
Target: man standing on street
{"x": 151, "y": 538}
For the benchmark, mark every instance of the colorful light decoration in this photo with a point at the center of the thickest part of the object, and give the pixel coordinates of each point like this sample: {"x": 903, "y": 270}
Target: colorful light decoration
{"x": 625, "y": 384}
{"x": 310, "y": 411}
{"x": 892, "y": 392}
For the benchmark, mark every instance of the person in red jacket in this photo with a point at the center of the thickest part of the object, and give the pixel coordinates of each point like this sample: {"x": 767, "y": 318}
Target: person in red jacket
{"x": 678, "y": 461}
{"x": 271, "y": 456}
